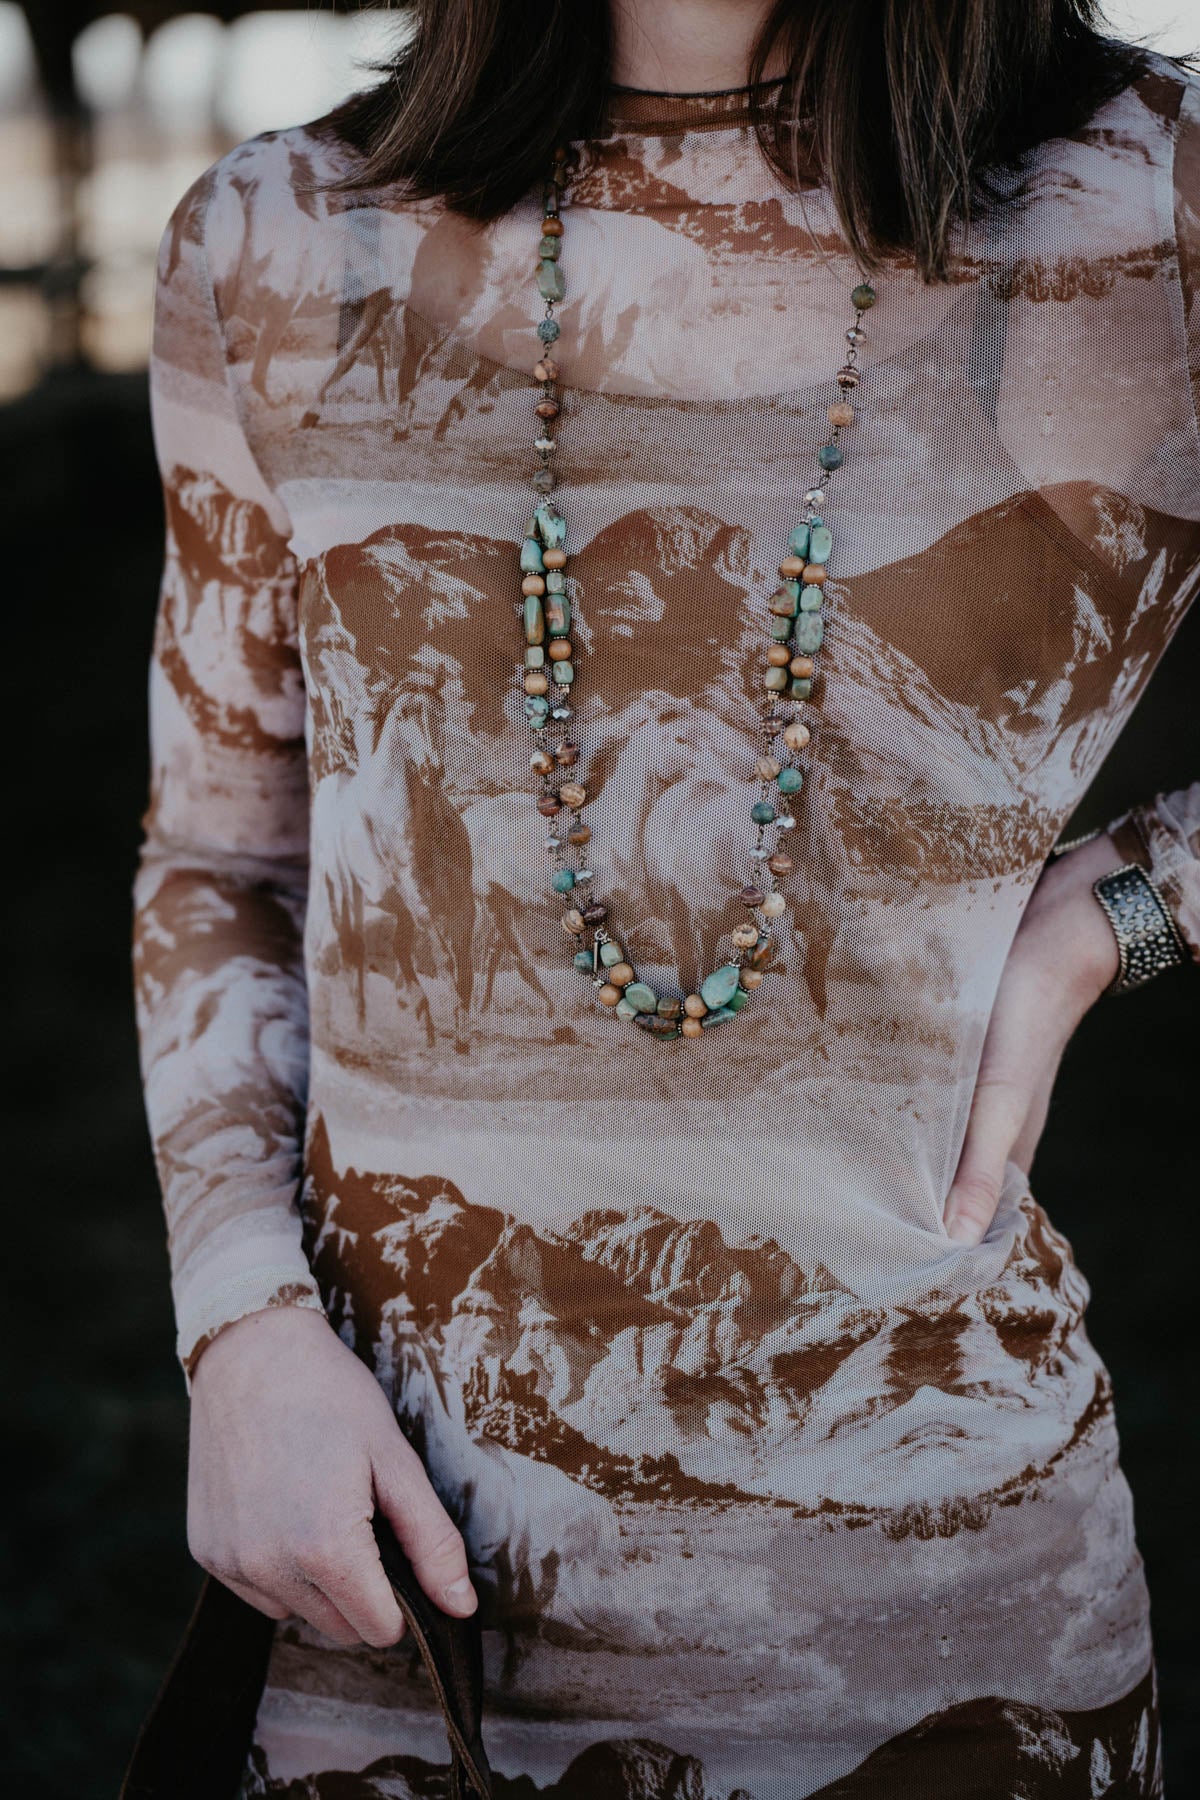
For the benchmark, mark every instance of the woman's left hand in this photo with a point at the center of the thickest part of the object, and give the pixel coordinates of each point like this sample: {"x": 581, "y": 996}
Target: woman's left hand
{"x": 1063, "y": 957}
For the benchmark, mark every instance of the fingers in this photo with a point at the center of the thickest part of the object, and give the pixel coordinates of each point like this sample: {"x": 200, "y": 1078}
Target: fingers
{"x": 262, "y": 1603}
{"x": 998, "y": 1113}
{"x": 427, "y": 1534}
{"x": 351, "y": 1577}
{"x": 296, "y": 1583}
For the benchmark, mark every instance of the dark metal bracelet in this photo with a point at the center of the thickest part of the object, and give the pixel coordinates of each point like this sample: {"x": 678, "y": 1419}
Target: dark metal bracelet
{"x": 1148, "y": 942}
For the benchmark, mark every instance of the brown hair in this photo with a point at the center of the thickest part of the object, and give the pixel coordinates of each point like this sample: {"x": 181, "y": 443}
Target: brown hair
{"x": 905, "y": 106}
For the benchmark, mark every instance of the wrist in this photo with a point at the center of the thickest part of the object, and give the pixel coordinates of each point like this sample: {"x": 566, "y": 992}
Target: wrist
{"x": 1066, "y": 925}
{"x": 272, "y": 1334}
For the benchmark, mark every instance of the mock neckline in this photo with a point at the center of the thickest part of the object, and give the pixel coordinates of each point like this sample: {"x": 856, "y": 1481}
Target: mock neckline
{"x": 647, "y": 112}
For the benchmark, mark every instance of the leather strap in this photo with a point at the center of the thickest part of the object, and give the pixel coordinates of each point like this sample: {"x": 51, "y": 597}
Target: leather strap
{"x": 196, "y": 1740}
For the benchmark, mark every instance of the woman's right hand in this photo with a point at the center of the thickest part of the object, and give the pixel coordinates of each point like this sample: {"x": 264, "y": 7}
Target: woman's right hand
{"x": 293, "y": 1447}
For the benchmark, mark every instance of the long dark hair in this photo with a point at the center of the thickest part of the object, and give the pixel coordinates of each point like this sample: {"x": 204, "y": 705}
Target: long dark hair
{"x": 903, "y": 106}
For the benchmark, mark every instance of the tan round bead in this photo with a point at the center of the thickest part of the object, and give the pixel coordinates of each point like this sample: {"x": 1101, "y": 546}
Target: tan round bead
{"x": 815, "y": 572}
{"x": 691, "y": 1028}
{"x": 554, "y": 559}
{"x": 541, "y": 762}
{"x": 572, "y": 793}
{"x": 572, "y": 921}
{"x": 560, "y": 649}
{"x": 797, "y": 736}
{"x": 609, "y": 994}
{"x": 551, "y": 226}
{"x": 621, "y": 974}
{"x": 841, "y": 413}
{"x": 546, "y": 409}
{"x": 767, "y": 767}
{"x": 537, "y": 683}
{"x": 546, "y": 369}
{"x": 800, "y": 666}
{"x": 533, "y": 584}
{"x": 791, "y": 567}
{"x": 751, "y": 978}
{"x": 780, "y": 863}
{"x": 547, "y": 805}
{"x": 774, "y": 906}
{"x": 777, "y": 656}
{"x": 746, "y": 936}
{"x": 581, "y": 834}
{"x": 694, "y": 1007}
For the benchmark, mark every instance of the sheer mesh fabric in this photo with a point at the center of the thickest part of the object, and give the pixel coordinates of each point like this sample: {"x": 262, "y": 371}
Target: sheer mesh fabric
{"x": 773, "y": 1489}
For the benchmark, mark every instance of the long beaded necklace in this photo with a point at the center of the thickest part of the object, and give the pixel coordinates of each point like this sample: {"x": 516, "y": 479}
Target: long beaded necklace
{"x": 796, "y": 630}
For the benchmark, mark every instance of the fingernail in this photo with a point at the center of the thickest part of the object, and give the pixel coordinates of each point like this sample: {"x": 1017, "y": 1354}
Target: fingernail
{"x": 461, "y": 1595}
{"x": 960, "y": 1231}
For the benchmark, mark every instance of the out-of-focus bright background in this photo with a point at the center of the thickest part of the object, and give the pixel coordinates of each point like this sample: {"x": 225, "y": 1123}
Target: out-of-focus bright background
{"x": 105, "y": 118}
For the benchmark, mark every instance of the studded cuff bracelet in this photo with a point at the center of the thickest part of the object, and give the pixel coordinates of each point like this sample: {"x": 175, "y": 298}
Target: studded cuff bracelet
{"x": 1147, "y": 940}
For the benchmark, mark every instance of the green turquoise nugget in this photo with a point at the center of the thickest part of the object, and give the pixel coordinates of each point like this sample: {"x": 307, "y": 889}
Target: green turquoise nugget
{"x": 718, "y": 988}
{"x": 820, "y": 544}
{"x": 810, "y": 632}
{"x": 640, "y": 995}
{"x": 531, "y": 557}
{"x": 550, "y": 283}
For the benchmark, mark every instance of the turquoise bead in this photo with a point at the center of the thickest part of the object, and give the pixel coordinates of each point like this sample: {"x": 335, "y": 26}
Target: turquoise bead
{"x": 717, "y": 988}
{"x": 563, "y": 882}
{"x": 738, "y": 1000}
{"x": 811, "y": 597}
{"x": 810, "y": 632}
{"x": 802, "y": 687}
{"x": 775, "y": 680}
{"x": 798, "y": 542}
{"x": 790, "y": 781}
{"x": 820, "y": 544}
{"x": 531, "y": 557}
{"x": 563, "y": 673}
{"x": 641, "y": 996}
{"x": 548, "y": 330}
{"x": 611, "y": 954}
{"x": 551, "y": 526}
{"x": 830, "y": 457}
{"x": 625, "y": 1009}
{"x": 535, "y": 656}
{"x": 762, "y": 812}
{"x": 548, "y": 249}
{"x": 558, "y": 615}
{"x": 550, "y": 283}
{"x": 718, "y": 1014}
{"x": 556, "y": 582}
{"x": 535, "y": 620}
{"x": 781, "y": 630}
{"x": 537, "y": 710}
{"x": 583, "y": 960}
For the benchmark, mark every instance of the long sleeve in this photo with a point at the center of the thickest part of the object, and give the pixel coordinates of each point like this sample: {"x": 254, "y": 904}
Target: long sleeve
{"x": 220, "y": 894}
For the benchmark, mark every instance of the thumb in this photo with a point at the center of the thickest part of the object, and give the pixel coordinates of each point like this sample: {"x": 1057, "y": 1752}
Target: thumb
{"x": 997, "y": 1115}
{"x": 427, "y": 1534}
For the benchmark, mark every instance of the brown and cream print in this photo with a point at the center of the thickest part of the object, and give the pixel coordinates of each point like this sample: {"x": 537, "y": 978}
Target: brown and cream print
{"x": 773, "y": 1490}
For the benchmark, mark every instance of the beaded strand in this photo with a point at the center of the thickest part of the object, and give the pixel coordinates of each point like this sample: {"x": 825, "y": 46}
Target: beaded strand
{"x": 797, "y": 632}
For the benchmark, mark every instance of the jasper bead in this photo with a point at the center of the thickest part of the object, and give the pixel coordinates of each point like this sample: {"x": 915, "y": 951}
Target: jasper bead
{"x": 547, "y": 805}
{"x": 541, "y": 762}
{"x": 692, "y": 1028}
{"x": 573, "y": 921}
{"x": 620, "y": 973}
{"x": 563, "y": 881}
{"x": 545, "y": 370}
{"x": 694, "y": 1007}
{"x": 745, "y": 936}
{"x": 767, "y": 767}
{"x": 797, "y": 736}
{"x": 596, "y": 914}
{"x": 572, "y": 793}
{"x": 609, "y": 995}
{"x": 780, "y": 863}
{"x": 791, "y": 567}
{"x": 841, "y": 413}
{"x": 533, "y": 584}
{"x": 560, "y": 649}
{"x": 536, "y": 682}
{"x": 774, "y": 906}
{"x": 641, "y": 995}
{"x": 751, "y": 978}
{"x": 762, "y": 812}
{"x": 801, "y": 665}
{"x": 567, "y": 754}
{"x": 531, "y": 556}
{"x": 777, "y": 657}
{"x": 579, "y": 834}
{"x": 790, "y": 781}
{"x": 552, "y": 225}
{"x": 554, "y": 559}
{"x": 752, "y": 895}
{"x": 543, "y": 480}
{"x": 546, "y": 409}
{"x": 814, "y": 574}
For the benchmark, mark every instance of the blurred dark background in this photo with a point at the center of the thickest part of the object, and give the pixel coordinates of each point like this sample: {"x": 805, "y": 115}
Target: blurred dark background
{"x": 96, "y": 1579}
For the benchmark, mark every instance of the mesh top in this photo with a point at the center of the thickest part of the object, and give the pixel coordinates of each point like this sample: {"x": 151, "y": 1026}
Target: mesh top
{"x": 343, "y": 413}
